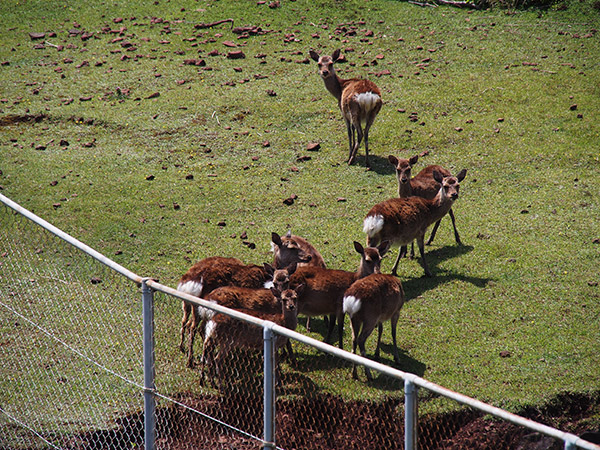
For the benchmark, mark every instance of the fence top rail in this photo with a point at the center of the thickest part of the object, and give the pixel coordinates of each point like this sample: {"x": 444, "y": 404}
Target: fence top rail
{"x": 71, "y": 240}
{"x": 421, "y": 382}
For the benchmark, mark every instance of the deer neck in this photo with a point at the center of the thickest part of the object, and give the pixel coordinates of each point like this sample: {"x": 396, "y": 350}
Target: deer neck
{"x": 440, "y": 205}
{"x": 404, "y": 189}
{"x": 335, "y": 86}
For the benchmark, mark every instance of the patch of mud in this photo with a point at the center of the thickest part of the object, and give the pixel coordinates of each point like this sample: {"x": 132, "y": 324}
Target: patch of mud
{"x": 328, "y": 422}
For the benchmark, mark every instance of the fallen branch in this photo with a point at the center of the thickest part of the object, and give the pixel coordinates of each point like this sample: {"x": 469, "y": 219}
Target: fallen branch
{"x": 212, "y": 24}
{"x": 423, "y": 4}
{"x": 458, "y": 4}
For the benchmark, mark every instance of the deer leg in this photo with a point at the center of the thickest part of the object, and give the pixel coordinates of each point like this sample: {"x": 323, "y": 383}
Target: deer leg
{"x": 421, "y": 244}
{"x": 350, "y": 130}
{"x": 359, "y": 137}
{"x": 394, "y": 269}
{"x": 394, "y": 323}
{"x": 379, "y": 333}
{"x": 362, "y": 338}
{"x": 340, "y": 320}
{"x": 432, "y": 235}
{"x": 456, "y": 236}
{"x": 184, "y": 323}
{"x": 330, "y": 328}
{"x": 355, "y": 325}
{"x": 403, "y": 250}
{"x": 193, "y": 328}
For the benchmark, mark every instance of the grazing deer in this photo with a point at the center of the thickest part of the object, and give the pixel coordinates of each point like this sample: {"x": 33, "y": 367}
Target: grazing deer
{"x": 324, "y": 288}
{"x": 358, "y": 99}
{"x": 422, "y": 185}
{"x": 291, "y": 249}
{"x": 227, "y": 333}
{"x": 209, "y": 274}
{"x": 369, "y": 302}
{"x": 401, "y": 220}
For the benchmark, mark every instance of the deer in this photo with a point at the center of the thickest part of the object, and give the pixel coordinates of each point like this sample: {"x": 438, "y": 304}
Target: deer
{"x": 358, "y": 99}
{"x": 227, "y": 333}
{"x": 291, "y": 249}
{"x": 324, "y": 288}
{"x": 207, "y": 275}
{"x": 369, "y": 302}
{"x": 401, "y": 220}
{"x": 421, "y": 185}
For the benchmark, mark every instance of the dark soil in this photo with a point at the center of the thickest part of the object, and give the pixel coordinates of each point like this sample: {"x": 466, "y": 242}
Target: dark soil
{"x": 328, "y": 422}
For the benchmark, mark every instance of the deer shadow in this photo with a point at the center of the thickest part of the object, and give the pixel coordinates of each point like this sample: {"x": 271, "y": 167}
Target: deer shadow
{"x": 379, "y": 164}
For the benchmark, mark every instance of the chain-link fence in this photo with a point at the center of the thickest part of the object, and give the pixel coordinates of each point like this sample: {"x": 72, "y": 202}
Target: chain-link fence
{"x": 80, "y": 370}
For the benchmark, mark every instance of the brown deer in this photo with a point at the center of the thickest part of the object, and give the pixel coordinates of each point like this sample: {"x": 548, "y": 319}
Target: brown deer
{"x": 324, "y": 288}
{"x": 421, "y": 185}
{"x": 227, "y": 333}
{"x": 401, "y": 220}
{"x": 369, "y": 302}
{"x": 358, "y": 99}
{"x": 291, "y": 249}
{"x": 207, "y": 275}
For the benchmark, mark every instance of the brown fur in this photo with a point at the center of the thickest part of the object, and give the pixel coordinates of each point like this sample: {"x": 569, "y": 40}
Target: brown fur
{"x": 290, "y": 249}
{"x": 381, "y": 298}
{"x": 406, "y": 219}
{"x": 227, "y": 332}
{"x": 353, "y": 111}
{"x": 324, "y": 288}
{"x": 213, "y": 272}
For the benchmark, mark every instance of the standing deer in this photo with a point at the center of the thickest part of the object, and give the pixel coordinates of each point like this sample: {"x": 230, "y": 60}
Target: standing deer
{"x": 211, "y": 273}
{"x": 358, "y": 99}
{"x": 291, "y": 249}
{"x": 401, "y": 220}
{"x": 324, "y": 288}
{"x": 369, "y": 302}
{"x": 422, "y": 185}
{"x": 227, "y": 333}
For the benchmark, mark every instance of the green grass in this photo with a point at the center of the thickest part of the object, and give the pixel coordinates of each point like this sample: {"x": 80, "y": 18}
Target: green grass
{"x": 525, "y": 282}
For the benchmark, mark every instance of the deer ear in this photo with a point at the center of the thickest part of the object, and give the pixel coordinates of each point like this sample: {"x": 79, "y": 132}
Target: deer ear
{"x": 393, "y": 160}
{"x": 413, "y": 160}
{"x": 300, "y": 289}
{"x": 335, "y": 55}
{"x": 292, "y": 268}
{"x": 461, "y": 175}
{"x": 276, "y": 292}
{"x": 276, "y": 239}
{"x": 359, "y": 248}
{"x": 437, "y": 176}
{"x": 314, "y": 55}
{"x": 384, "y": 247}
{"x": 268, "y": 269}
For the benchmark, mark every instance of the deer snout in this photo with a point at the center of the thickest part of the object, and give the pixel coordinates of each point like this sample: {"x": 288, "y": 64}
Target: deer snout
{"x": 454, "y": 196}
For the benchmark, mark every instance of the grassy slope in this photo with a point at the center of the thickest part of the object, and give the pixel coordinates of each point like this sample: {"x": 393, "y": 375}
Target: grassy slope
{"x": 525, "y": 280}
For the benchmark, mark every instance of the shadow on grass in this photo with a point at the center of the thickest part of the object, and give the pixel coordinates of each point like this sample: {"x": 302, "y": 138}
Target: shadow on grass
{"x": 417, "y": 286}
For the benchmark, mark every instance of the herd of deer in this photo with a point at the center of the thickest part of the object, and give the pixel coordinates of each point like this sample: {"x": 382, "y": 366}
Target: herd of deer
{"x": 297, "y": 281}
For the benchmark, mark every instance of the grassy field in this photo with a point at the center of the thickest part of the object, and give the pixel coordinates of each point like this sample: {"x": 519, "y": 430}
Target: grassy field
{"x": 131, "y": 129}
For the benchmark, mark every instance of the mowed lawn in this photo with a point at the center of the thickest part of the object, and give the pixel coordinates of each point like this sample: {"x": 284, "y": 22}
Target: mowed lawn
{"x": 159, "y": 140}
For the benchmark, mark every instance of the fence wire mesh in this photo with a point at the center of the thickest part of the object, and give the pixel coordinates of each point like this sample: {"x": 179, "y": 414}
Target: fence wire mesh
{"x": 71, "y": 343}
{"x": 71, "y": 346}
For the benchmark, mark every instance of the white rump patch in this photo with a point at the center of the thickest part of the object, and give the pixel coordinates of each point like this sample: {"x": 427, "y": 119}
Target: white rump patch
{"x": 373, "y": 225}
{"x": 209, "y": 329}
{"x": 367, "y": 100}
{"x": 191, "y": 287}
{"x": 351, "y": 305}
{"x": 268, "y": 284}
{"x": 206, "y": 313}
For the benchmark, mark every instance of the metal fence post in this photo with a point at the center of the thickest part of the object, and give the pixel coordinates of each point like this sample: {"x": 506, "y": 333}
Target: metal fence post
{"x": 149, "y": 388}
{"x": 410, "y": 415}
{"x": 269, "y": 389}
